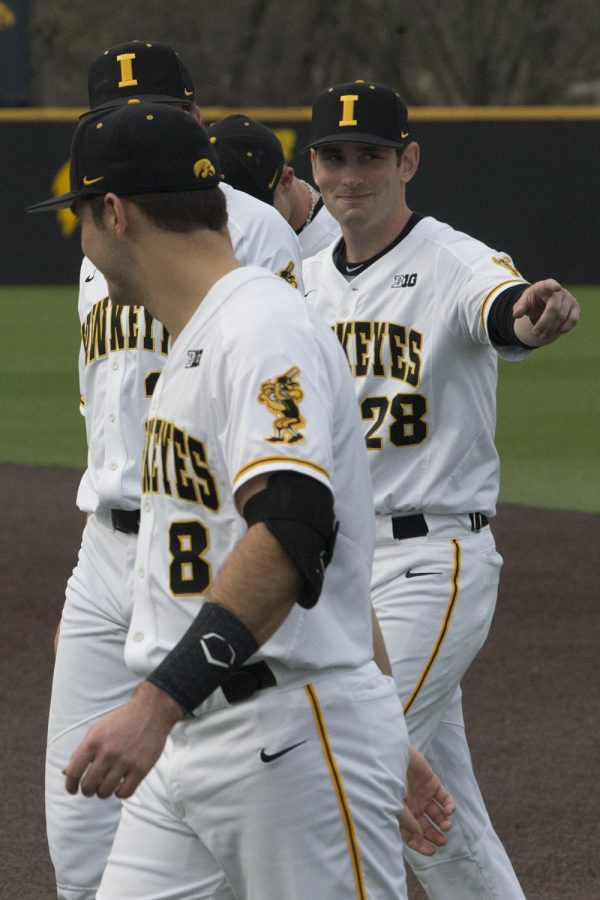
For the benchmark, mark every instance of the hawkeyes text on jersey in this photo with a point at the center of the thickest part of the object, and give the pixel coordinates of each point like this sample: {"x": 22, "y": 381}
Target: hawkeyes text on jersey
{"x": 382, "y": 349}
{"x": 175, "y": 464}
{"x": 108, "y": 328}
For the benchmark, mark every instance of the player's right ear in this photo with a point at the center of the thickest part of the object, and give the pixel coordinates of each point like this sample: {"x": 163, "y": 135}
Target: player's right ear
{"x": 409, "y": 161}
{"x": 116, "y": 214}
{"x": 287, "y": 178}
{"x": 313, "y": 162}
{"x": 195, "y": 111}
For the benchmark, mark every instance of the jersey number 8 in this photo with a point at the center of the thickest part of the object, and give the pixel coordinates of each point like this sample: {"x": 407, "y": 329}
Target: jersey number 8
{"x": 189, "y": 573}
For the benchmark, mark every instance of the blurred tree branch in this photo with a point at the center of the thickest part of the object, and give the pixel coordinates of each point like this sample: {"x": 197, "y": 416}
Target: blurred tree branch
{"x": 267, "y": 52}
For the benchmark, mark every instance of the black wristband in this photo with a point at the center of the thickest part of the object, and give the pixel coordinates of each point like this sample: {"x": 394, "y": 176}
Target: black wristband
{"x": 501, "y": 325}
{"x": 214, "y": 646}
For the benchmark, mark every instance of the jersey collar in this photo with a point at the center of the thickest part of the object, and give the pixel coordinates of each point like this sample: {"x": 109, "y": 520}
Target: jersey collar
{"x": 350, "y": 270}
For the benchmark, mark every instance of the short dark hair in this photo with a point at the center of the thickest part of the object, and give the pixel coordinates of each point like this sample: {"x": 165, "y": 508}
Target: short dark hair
{"x": 96, "y": 204}
{"x": 184, "y": 210}
{"x": 180, "y": 211}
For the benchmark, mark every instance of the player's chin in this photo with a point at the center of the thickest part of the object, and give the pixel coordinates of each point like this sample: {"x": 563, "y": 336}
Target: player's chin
{"x": 353, "y": 214}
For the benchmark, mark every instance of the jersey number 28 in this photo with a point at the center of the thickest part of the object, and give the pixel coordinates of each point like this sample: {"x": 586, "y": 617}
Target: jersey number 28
{"x": 407, "y": 425}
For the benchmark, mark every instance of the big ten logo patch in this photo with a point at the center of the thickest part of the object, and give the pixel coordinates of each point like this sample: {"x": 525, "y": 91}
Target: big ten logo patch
{"x": 61, "y": 185}
{"x": 7, "y": 17}
{"x": 403, "y": 281}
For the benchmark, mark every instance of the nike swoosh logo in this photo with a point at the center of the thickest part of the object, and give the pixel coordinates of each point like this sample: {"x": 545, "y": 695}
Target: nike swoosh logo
{"x": 404, "y": 134}
{"x": 351, "y": 269}
{"x": 273, "y": 179}
{"x": 410, "y": 574}
{"x": 269, "y": 757}
{"x": 91, "y": 277}
{"x": 187, "y": 93}
{"x": 87, "y": 181}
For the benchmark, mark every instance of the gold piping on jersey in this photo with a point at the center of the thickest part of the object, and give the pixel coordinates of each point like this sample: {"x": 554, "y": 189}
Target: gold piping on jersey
{"x": 488, "y": 297}
{"x": 342, "y": 800}
{"x": 293, "y": 460}
{"x": 443, "y": 631}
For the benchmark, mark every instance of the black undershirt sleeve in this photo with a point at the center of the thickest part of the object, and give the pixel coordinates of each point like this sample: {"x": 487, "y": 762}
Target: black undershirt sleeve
{"x": 500, "y": 323}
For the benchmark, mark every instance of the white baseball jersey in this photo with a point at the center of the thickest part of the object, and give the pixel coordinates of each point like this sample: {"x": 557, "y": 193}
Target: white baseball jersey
{"x": 123, "y": 350}
{"x": 319, "y": 233}
{"x": 246, "y": 391}
{"x": 414, "y": 328}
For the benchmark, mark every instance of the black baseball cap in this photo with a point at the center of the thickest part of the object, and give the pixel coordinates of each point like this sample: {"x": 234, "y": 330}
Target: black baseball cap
{"x": 360, "y": 111}
{"x": 139, "y": 70}
{"x": 250, "y": 154}
{"x": 147, "y": 148}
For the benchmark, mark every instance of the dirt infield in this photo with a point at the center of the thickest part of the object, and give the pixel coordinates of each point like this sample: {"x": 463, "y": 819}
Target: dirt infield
{"x": 532, "y": 699}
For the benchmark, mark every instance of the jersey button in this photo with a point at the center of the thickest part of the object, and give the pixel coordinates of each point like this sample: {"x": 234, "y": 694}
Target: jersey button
{"x": 115, "y": 365}
{"x": 141, "y": 573}
{"x": 112, "y": 417}
{"x": 138, "y": 636}
{"x": 147, "y": 505}
{"x": 112, "y": 466}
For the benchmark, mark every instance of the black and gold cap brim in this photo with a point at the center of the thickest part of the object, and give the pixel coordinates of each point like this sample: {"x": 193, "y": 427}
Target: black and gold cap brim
{"x": 133, "y": 101}
{"x": 65, "y": 201}
{"x": 355, "y": 138}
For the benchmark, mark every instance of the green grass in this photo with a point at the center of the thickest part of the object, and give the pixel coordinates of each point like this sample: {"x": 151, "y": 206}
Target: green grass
{"x": 39, "y": 397}
{"x": 548, "y": 407}
{"x": 549, "y": 419}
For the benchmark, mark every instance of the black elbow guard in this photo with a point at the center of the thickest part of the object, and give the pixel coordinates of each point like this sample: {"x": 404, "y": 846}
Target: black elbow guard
{"x": 298, "y": 511}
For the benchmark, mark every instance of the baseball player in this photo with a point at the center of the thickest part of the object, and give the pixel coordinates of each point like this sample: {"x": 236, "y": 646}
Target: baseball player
{"x": 251, "y": 616}
{"x": 123, "y": 350}
{"x": 422, "y": 312}
{"x": 252, "y": 160}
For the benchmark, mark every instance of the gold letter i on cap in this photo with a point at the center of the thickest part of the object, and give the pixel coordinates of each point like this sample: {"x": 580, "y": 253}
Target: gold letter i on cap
{"x": 126, "y": 61}
{"x": 348, "y": 101}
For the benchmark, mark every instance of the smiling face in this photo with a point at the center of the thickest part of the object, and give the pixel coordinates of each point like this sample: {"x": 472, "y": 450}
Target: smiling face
{"x": 363, "y": 185}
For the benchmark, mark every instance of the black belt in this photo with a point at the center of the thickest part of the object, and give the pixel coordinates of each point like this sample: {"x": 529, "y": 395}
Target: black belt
{"x": 126, "y": 520}
{"x": 416, "y": 526}
{"x": 244, "y": 683}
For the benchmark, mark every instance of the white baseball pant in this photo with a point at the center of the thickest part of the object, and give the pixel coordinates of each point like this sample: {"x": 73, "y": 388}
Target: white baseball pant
{"x": 435, "y": 598}
{"x": 215, "y": 820}
{"x": 90, "y": 679}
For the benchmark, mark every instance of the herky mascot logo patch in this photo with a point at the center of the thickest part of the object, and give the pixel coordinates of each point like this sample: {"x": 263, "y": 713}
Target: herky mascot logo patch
{"x": 281, "y": 396}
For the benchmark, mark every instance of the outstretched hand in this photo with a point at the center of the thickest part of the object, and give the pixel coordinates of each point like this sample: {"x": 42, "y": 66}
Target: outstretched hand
{"x": 543, "y": 312}
{"x": 118, "y": 751}
{"x": 427, "y": 807}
